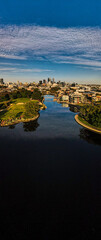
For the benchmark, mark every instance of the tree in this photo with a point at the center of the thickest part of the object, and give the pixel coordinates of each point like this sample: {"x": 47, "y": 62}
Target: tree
{"x": 7, "y": 97}
{"x": 92, "y": 114}
{"x": 31, "y": 109}
{"x": 54, "y": 89}
{"x": 37, "y": 95}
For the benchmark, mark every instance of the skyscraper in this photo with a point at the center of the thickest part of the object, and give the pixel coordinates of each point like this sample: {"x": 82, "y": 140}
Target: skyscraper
{"x": 1, "y": 81}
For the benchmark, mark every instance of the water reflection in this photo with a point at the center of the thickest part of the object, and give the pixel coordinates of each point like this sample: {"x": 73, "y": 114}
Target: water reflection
{"x": 11, "y": 126}
{"x": 52, "y": 179}
{"x": 90, "y": 137}
{"x": 65, "y": 105}
{"x": 31, "y": 126}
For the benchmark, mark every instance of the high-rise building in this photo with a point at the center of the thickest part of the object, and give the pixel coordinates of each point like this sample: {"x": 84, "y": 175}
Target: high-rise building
{"x": 53, "y": 80}
{"x": 1, "y": 81}
{"x": 44, "y": 81}
{"x": 18, "y": 82}
{"x": 49, "y": 79}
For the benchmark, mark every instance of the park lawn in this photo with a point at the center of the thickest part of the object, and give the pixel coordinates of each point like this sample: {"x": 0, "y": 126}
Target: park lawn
{"x": 20, "y": 100}
{"x": 24, "y": 100}
{"x": 13, "y": 112}
{"x": 16, "y": 110}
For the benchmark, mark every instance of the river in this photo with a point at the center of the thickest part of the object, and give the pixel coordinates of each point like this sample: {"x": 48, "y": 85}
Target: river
{"x": 50, "y": 178}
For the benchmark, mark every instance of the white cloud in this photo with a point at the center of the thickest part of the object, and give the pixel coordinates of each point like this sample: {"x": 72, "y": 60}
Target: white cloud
{"x": 33, "y": 70}
{"x": 7, "y": 69}
{"x": 78, "y": 61}
{"x": 9, "y": 56}
{"x": 92, "y": 68}
{"x": 9, "y": 64}
{"x": 80, "y": 46}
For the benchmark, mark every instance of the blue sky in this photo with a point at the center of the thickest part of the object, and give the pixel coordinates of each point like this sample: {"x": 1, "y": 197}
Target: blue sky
{"x": 41, "y": 39}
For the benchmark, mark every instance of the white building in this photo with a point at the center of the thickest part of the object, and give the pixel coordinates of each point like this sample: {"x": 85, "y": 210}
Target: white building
{"x": 65, "y": 98}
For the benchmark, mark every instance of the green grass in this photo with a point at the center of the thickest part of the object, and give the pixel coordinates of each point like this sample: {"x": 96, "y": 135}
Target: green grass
{"x": 21, "y": 100}
{"x": 86, "y": 123}
{"x": 15, "y": 111}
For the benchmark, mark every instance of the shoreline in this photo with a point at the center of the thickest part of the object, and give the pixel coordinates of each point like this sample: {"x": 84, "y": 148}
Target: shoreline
{"x": 69, "y": 103}
{"x": 86, "y": 126}
{"x": 21, "y": 120}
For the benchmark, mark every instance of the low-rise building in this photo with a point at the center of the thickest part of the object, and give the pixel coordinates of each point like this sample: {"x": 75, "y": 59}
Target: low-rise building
{"x": 98, "y": 98}
{"x": 76, "y": 98}
{"x": 65, "y": 98}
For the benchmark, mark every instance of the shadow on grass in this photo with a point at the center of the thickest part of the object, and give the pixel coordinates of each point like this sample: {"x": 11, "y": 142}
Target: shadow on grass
{"x": 18, "y": 114}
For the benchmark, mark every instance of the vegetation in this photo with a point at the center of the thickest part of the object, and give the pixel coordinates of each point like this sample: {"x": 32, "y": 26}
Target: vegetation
{"x": 87, "y": 124}
{"x": 20, "y": 100}
{"x": 54, "y": 89}
{"x": 23, "y": 93}
{"x": 19, "y": 110}
{"x": 91, "y": 114}
{"x": 4, "y": 105}
{"x": 31, "y": 109}
{"x": 37, "y": 95}
{"x": 19, "y": 105}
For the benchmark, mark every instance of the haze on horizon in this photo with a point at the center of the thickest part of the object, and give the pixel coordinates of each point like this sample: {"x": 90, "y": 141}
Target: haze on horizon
{"x": 41, "y": 39}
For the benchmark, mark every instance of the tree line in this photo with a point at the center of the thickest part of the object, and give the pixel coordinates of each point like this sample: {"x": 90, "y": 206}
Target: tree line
{"x": 91, "y": 114}
{"x": 23, "y": 93}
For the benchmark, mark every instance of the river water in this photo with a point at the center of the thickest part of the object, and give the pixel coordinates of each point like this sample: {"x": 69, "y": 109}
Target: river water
{"x": 50, "y": 178}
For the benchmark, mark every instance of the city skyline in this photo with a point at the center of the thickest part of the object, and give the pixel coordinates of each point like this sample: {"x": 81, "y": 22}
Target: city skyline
{"x": 61, "y": 39}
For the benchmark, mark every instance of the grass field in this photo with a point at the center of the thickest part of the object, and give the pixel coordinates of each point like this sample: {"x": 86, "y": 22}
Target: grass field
{"x": 15, "y": 111}
{"x": 20, "y": 100}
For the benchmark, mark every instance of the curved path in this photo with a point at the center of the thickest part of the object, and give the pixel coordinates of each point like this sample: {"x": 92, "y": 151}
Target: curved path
{"x": 87, "y": 127}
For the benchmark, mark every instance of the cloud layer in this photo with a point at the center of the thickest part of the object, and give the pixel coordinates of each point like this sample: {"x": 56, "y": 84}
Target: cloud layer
{"x": 79, "y": 46}
{"x": 23, "y": 70}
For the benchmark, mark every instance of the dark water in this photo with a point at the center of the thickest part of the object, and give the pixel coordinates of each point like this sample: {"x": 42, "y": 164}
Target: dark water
{"x": 50, "y": 178}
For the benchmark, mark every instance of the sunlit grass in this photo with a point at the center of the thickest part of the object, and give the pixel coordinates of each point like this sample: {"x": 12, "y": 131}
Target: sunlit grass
{"x": 20, "y": 100}
{"x": 16, "y": 109}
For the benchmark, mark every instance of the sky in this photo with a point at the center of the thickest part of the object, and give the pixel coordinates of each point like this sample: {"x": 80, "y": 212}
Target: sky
{"x": 57, "y": 38}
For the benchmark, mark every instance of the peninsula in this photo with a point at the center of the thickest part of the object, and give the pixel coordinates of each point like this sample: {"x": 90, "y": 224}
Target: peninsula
{"x": 20, "y": 109}
{"x": 90, "y": 117}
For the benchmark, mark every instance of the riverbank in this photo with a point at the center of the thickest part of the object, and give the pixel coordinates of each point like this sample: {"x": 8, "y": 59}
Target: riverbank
{"x": 77, "y": 105}
{"x": 20, "y": 120}
{"x": 86, "y": 125}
